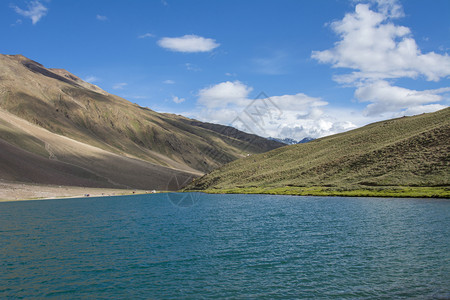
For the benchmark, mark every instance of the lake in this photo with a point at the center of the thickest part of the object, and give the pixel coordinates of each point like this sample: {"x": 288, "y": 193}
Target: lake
{"x": 178, "y": 246}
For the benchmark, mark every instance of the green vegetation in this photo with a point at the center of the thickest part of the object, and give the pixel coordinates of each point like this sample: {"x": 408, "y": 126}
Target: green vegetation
{"x": 400, "y": 192}
{"x": 404, "y": 157}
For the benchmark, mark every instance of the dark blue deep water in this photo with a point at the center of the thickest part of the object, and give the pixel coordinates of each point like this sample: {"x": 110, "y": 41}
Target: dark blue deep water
{"x": 225, "y": 246}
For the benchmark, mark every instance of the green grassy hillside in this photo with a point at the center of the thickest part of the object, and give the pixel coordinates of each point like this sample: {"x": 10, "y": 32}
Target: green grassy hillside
{"x": 400, "y": 154}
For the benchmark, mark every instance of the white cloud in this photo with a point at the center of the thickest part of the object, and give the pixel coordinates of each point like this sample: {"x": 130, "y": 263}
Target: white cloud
{"x": 315, "y": 128}
{"x": 120, "y": 85}
{"x": 300, "y": 103}
{"x": 169, "y": 81}
{"x": 378, "y": 49}
{"x": 420, "y": 109}
{"x": 393, "y": 99}
{"x": 91, "y": 79}
{"x": 295, "y": 116}
{"x": 35, "y": 11}
{"x": 390, "y": 8}
{"x": 178, "y": 100}
{"x": 188, "y": 43}
{"x": 146, "y": 35}
{"x": 102, "y": 18}
{"x": 223, "y": 94}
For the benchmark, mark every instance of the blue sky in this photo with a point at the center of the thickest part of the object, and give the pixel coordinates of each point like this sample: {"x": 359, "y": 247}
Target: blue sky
{"x": 317, "y": 67}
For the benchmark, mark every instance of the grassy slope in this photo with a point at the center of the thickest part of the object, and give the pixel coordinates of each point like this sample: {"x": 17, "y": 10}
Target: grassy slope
{"x": 408, "y": 156}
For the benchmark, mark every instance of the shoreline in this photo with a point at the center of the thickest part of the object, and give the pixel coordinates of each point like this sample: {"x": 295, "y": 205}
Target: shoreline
{"x": 383, "y": 192}
{"x": 18, "y": 191}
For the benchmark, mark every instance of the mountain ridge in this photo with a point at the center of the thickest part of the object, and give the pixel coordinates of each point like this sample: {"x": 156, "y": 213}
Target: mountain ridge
{"x": 66, "y": 106}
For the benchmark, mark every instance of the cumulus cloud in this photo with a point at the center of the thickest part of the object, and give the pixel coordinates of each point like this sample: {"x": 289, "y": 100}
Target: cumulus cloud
{"x": 188, "y": 43}
{"x": 223, "y": 94}
{"x": 377, "y": 50}
{"x": 120, "y": 85}
{"x": 35, "y": 11}
{"x": 390, "y": 8}
{"x": 178, "y": 100}
{"x": 315, "y": 128}
{"x": 101, "y": 18}
{"x": 298, "y": 103}
{"x": 294, "y": 116}
{"x": 420, "y": 109}
{"x": 388, "y": 98}
{"x": 169, "y": 81}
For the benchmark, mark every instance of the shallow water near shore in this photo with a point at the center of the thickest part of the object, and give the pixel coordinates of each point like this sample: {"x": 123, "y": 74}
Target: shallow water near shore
{"x": 181, "y": 246}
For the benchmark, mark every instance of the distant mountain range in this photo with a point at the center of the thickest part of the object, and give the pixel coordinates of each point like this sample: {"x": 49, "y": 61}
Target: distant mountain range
{"x": 58, "y": 129}
{"x": 405, "y": 152}
{"x": 289, "y": 141}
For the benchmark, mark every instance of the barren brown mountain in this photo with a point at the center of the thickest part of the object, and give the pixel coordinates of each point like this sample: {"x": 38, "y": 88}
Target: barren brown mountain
{"x": 58, "y": 129}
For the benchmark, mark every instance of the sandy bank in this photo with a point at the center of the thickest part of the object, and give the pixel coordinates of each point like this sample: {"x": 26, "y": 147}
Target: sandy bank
{"x": 15, "y": 191}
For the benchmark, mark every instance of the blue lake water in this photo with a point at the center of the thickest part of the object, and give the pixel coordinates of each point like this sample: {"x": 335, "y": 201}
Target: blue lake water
{"x": 182, "y": 246}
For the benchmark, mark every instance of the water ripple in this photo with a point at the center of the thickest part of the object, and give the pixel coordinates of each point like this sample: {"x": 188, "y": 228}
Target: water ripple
{"x": 225, "y": 246}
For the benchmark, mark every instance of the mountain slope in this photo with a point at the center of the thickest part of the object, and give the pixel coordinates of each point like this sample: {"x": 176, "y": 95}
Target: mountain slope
{"x": 409, "y": 151}
{"x": 54, "y": 159}
{"x": 66, "y": 107}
